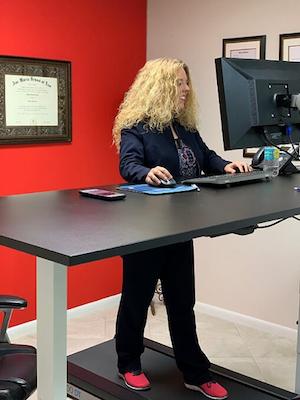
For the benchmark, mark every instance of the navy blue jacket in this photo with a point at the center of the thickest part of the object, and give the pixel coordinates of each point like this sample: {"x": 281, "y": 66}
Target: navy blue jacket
{"x": 142, "y": 149}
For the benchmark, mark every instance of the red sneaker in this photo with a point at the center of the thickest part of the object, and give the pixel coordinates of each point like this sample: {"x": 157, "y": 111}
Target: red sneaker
{"x": 212, "y": 390}
{"x": 135, "y": 380}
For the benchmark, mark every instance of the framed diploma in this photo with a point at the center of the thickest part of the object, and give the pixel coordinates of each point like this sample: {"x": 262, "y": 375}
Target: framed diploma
{"x": 35, "y": 100}
{"x": 253, "y": 47}
{"x": 289, "y": 47}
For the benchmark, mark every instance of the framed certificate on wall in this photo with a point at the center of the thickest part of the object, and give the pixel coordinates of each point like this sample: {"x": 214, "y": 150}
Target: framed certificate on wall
{"x": 253, "y": 47}
{"x": 289, "y": 47}
{"x": 35, "y": 100}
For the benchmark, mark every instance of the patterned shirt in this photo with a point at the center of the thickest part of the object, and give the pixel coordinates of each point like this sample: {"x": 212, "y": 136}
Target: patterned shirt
{"x": 188, "y": 165}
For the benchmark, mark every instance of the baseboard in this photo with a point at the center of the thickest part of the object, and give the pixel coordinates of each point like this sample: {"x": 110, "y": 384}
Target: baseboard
{"x": 29, "y": 328}
{"x": 99, "y": 305}
{"x": 247, "y": 320}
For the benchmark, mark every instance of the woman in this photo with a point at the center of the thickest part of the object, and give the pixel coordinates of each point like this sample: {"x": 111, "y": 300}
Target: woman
{"x": 156, "y": 134}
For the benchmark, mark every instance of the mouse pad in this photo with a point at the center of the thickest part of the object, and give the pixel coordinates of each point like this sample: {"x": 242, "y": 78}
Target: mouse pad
{"x": 153, "y": 190}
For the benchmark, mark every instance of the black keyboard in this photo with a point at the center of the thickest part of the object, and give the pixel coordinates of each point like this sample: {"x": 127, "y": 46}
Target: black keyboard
{"x": 228, "y": 179}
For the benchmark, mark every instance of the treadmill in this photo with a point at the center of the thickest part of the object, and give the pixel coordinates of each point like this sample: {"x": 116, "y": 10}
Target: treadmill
{"x": 92, "y": 375}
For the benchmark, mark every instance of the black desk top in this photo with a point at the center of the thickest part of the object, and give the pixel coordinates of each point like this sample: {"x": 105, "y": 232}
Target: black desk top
{"x": 70, "y": 229}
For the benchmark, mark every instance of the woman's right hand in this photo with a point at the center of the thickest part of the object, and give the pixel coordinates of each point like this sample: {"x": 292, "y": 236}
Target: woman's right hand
{"x": 155, "y": 174}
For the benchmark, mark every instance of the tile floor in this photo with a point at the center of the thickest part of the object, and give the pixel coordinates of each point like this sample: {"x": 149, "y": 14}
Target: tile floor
{"x": 258, "y": 354}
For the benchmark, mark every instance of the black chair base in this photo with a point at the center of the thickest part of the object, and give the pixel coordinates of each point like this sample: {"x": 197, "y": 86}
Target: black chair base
{"x": 11, "y": 391}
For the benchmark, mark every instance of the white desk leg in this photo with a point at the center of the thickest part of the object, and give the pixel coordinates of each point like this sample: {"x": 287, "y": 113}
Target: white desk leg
{"x": 51, "y": 330}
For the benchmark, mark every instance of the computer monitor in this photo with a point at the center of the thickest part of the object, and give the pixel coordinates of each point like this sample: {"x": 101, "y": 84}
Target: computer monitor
{"x": 259, "y": 102}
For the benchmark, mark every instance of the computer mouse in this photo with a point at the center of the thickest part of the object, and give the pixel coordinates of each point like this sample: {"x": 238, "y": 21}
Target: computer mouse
{"x": 169, "y": 183}
{"x": 258, "y": 158}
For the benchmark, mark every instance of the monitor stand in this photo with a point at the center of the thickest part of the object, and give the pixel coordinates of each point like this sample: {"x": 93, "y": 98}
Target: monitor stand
{"x": 92, "y": 375}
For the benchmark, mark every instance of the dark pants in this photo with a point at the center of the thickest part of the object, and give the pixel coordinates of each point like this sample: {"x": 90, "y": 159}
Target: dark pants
{"x": 174, "y": 266}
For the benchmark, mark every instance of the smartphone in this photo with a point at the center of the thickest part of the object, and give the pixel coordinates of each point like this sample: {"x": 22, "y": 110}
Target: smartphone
{"x": 102, "y": 194}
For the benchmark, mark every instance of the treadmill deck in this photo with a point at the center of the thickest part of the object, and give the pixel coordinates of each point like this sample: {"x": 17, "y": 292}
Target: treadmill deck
{"x": 92, "y": 374}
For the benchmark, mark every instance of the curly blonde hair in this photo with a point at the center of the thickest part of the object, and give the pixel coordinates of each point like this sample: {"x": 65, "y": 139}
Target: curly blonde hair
{"x": 153, "y": 98}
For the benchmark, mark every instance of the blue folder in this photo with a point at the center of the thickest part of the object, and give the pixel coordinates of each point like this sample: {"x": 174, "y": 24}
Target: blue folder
{"x": 156, "y": 190}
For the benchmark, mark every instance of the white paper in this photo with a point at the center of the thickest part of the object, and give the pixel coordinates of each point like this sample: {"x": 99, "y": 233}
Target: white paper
{"x": 294, "y": 53}
{"x": 31, "y": 101}
{"x": 243, "y": 53}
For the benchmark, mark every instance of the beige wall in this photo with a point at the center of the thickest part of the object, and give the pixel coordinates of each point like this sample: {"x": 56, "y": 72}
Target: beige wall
{"x": 256, "y": 275}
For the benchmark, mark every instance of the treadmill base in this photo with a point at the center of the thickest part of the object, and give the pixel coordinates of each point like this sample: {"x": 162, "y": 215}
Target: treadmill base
{"x": 92, "y": 375}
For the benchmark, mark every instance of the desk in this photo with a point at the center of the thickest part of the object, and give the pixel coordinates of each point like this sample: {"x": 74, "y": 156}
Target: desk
{"x": 63, "y": 229}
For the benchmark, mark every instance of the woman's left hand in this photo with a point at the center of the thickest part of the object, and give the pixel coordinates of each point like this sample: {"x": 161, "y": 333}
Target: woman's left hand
{"x": 237, "y": 166}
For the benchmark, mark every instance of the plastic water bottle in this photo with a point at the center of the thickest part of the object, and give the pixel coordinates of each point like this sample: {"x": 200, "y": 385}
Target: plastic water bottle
{"x": 271, "y": 161}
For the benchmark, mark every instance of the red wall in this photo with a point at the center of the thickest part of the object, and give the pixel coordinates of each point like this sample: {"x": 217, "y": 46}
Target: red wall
{"x": 106, "y": 43}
